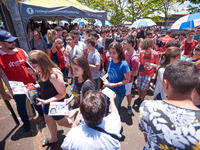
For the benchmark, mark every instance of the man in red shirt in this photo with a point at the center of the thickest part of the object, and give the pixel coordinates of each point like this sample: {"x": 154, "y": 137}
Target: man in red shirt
{"x": 12, "y": 62}
{"x": 189, "y": 44}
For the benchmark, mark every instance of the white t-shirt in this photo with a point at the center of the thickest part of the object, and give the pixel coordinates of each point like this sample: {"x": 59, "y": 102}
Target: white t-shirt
{"x": 72, "y": 52}
{"x": 159, "y": 85}
{"x": 82, "y": 45}
{"x": 83, "y": 137}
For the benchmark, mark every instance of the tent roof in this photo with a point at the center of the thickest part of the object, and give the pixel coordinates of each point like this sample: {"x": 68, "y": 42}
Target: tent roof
{"x": 57, "y": 3}
{"x": 57, "y": 10}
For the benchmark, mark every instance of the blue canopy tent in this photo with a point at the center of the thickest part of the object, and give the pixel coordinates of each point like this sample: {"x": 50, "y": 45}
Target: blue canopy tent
{"x": 57, "y": 10}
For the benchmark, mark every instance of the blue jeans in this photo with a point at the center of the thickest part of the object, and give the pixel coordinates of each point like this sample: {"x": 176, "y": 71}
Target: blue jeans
{"x": 118, "y": 101}
{"x": 21, "y": 107}
{"x": 96, "y": 83}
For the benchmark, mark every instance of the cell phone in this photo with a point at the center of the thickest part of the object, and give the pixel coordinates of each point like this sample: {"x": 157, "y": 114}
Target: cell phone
{"x": 27, "y": 64}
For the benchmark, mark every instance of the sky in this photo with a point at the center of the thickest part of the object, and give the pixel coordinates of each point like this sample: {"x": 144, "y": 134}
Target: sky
{"x": 182, "y": 9}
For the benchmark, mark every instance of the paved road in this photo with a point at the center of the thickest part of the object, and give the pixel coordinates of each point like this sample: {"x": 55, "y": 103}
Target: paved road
{"x": 13, "y": 138}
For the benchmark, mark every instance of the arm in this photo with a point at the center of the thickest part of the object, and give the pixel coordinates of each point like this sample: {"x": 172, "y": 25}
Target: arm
{"x": 134, "y": 73}
{"x": 59, "y": 85}
{"x": 97, "y": 67}
{"x": 112, "y": 104}
{"x": 53, "y": 49}
{"x": 105, "y": 77}
{"x": 126, "y": 80}
{"x": 70, "y": 99}
{"x": 3, "y": 93}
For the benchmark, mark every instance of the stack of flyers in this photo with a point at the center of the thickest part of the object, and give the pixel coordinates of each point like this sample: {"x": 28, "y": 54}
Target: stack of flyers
{"x": 108, "y": 92}
{"x": 58, "y": 108}
{"x": 17, "y": 87}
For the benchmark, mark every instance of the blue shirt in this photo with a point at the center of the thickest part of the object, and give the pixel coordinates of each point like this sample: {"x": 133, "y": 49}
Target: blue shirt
{"x": 116, "y": 73}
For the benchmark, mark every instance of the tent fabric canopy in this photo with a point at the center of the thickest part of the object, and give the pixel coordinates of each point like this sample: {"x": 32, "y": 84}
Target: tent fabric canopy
{"x": 57, "y": 10}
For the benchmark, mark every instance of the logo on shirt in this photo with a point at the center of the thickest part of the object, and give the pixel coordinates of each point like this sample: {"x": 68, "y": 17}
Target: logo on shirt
{"x": 15, "y": 63}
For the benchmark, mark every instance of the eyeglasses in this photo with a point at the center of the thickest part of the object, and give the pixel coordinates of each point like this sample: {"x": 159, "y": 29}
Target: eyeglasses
{"x": 68, "y": 40}
{"x": 190, "y": 34}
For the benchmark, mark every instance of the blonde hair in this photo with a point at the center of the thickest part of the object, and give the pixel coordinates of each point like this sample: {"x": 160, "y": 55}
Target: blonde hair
{"x": 50, "y": 34}
{"x": 42, "y": 59}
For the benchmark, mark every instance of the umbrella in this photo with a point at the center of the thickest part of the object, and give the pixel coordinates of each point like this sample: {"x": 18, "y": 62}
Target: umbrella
{"x": 62, "y": 23}
{"x": 143, "y": 23}
{"x": 191, "y": 20}
{"x": 80, "y": 21}
{"x": 99, "y": 23}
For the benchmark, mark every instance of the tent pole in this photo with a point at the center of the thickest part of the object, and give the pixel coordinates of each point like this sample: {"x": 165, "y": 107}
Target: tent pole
{"x": 18, "y": 26}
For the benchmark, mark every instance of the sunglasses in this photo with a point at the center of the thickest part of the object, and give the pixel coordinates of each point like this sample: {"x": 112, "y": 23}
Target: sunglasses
{"x": 68, "y": 40}
{"x": 10, "y": 42}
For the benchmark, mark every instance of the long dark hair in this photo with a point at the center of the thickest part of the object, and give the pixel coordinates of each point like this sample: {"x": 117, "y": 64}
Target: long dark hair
{"x": 81, "y": 61}
{"x": 118, "y": 47}
{"x": 171, "y": 52}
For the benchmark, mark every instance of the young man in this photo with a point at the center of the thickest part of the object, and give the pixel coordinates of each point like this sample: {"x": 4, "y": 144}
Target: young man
{"x": 71, "y": 50}
{"x": 149, "y": 59}
{"x": 173, "y": 123}
{"x": 12, "y": 62}
{"x": 76, "y": 40}
{"x": 85, "y": 136}
{"x": 189, "y": 44}
{"x": 102, "y": 40}
{"x": 94, "y": 59}
{"x": 133, "y": 61}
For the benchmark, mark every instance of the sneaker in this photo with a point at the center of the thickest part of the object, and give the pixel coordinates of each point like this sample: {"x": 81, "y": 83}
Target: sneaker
{"x": 26, "y": 126}
{"x": 129, "y": 110}
{"x": 137, "y": 100}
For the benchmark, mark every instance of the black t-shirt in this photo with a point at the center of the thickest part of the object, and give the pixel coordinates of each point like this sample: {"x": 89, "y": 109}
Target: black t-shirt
{"x": 99, "y": 47}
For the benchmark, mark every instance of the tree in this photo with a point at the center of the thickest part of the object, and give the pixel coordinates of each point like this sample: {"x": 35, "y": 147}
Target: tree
{"x": 140, "y": 9}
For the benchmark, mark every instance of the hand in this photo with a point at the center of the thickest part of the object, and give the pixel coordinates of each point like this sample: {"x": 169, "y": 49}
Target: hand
{"x": 31, "y": 72}
{"x": 72, "y": 113}
{"x": 6, "y": 96}
{"x": 41, "y": 101}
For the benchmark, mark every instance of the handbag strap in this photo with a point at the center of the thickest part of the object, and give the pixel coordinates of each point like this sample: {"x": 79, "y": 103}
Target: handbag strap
{"x": 102, "y": 130}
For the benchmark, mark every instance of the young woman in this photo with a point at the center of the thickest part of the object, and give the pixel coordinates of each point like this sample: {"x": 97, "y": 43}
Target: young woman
{"x": 82, "y": 81}
{"x": 51, "y": 36}
{"x": 52, "y": 89}
{"x": 171, "y": 54}
{"x": 38, "y": 42}
{"x": 57, "y": 56}
{"x": 118, "y": 73}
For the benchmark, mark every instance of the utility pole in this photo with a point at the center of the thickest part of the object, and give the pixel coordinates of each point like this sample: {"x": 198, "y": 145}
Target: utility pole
{"x": 18, "y": 25}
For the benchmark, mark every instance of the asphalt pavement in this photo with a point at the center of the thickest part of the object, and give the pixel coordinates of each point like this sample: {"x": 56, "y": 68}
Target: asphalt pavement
{"x": 12, "y": 136}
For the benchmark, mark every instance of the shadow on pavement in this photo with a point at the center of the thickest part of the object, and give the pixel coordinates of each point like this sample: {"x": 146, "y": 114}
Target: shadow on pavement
{"x": 2, "y": 143}
{"x": 57, "y": 146}
{"x": 35, "y": 125}
{"x": 125, "y": 117}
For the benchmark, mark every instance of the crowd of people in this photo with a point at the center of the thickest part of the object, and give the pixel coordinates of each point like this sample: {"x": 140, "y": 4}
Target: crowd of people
{"x": 122, "y": 59}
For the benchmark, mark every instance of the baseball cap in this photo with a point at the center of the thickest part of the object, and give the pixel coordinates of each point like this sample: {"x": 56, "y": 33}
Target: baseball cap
{"x": 6, "y": 36}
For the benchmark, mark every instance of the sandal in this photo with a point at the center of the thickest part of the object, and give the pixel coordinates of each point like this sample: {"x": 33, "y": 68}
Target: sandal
{"x": 46, "y": 142}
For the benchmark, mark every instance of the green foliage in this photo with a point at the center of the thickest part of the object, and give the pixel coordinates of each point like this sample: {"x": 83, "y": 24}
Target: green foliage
{"x": 193, "y": 9}
{"x": 156, "y": 19}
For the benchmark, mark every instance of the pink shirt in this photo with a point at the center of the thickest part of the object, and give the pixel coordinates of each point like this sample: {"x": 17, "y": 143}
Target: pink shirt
{"x": 133, "y": 62}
